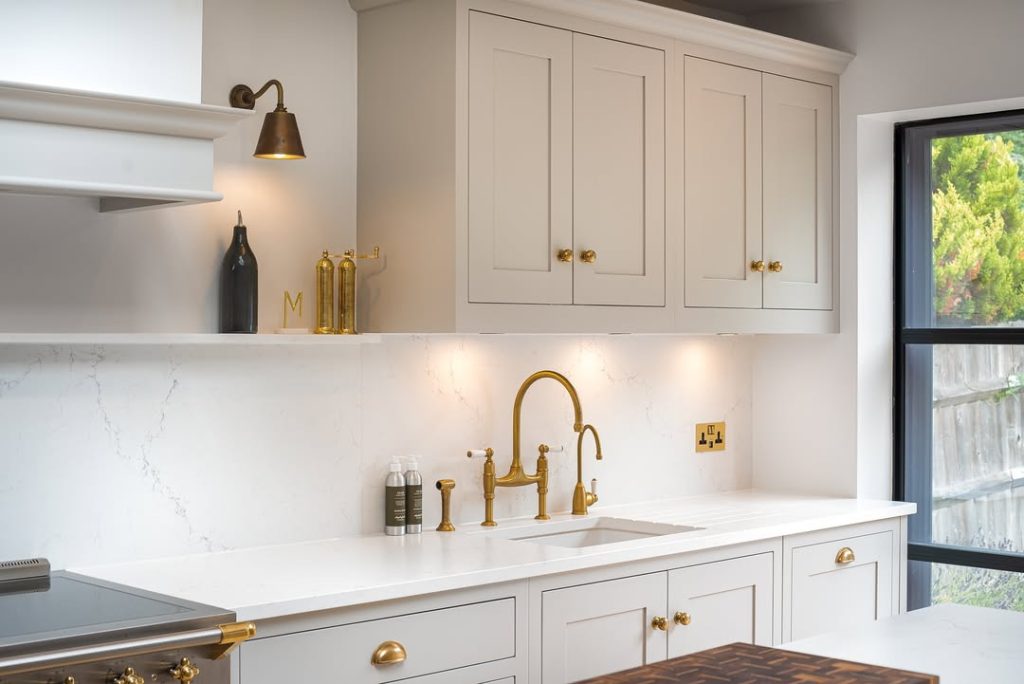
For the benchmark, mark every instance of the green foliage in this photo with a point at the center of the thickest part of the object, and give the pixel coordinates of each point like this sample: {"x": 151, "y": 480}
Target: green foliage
{"x": 977, "y": 587}
{"x": 978, "y": 228}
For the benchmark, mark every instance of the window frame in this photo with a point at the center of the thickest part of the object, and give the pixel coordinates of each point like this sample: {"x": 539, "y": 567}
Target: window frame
{"x": 913, "y": 298}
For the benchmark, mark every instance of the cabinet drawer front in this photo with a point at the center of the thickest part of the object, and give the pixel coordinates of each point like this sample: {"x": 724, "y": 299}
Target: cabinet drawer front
{"x": 831, "y": 591}
{"x": 721, "y": 603}
{"x": 433, "y": 641}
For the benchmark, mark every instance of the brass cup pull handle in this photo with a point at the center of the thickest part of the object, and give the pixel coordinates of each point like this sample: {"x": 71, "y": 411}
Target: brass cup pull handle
{"x": 129, "y": 677}
{"x": 660, "y": 623}
{"x": 845, "y": 556}
{"x": 682, "y": 618}
{"x": 185, "y": 671}
{"x": 389, "y": 653}
{"x": 757, "y": 266}
{"x": 775, "y": 266}
{"x": 588, "y": 256}
{"x": 564, "y": 255}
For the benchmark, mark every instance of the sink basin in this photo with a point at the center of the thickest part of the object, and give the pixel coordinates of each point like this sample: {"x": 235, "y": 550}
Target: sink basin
{"x": 584, "y": 532}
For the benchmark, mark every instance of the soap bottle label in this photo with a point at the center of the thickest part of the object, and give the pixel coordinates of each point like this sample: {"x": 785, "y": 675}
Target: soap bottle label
{"x": 414, "y": 504}
{"x": 394, "y": 506}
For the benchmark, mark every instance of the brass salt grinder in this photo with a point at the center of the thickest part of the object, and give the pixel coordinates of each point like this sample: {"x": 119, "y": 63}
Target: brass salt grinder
{"x": 346, "y": 292}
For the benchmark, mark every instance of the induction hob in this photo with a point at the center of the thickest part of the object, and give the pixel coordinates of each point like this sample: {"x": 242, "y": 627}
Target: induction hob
{"x": 66, "y": 609}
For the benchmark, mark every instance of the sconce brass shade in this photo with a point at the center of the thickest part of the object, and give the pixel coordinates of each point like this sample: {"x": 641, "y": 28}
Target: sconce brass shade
{"x": 279, "y": 138}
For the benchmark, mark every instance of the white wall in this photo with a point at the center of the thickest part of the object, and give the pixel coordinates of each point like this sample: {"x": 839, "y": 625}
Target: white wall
{"x": 65, "y": 267}
{"x": 82, "y": 45}
{"x": 911, "y": 54}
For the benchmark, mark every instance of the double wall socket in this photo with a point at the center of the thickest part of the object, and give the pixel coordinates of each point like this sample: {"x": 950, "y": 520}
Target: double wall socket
{"x": 710, "y": 436}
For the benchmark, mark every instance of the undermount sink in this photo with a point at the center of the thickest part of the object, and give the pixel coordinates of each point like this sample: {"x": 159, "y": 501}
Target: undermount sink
{"x": 585, "y": 532}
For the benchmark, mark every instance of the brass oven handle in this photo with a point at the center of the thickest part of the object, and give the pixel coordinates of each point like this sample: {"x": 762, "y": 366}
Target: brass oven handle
{"x": 588, "y": 256}
{"x": 845, "y": 556}
{"x": 660, "y": 623}
{"x": 389, "y": 653}
{"x": 682, "y": 618}
{"x": 757, "y": 266}
{"x": 185, "y": 671}
{"x": 564, "y": 255}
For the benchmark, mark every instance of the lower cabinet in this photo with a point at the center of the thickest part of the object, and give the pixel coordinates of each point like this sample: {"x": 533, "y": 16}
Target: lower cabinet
{"x": 608, "y": 626}
{"x": 841, "y": 578}
{"x": 713, "y": 604}
{"x": 604, "y": 627}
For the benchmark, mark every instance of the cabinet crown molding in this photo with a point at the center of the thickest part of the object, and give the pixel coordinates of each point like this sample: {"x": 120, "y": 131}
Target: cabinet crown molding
{"x": 641, "y": 16}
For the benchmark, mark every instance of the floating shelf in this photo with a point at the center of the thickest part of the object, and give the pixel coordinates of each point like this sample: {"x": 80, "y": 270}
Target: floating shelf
{"x": 186, "y": 339}
{"x": 129, "y": 152}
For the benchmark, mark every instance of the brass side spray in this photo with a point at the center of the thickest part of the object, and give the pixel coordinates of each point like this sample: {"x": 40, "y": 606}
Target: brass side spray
{"x": 325, "y": 295}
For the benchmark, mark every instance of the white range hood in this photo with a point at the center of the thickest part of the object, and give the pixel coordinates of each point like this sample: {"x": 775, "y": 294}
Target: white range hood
{"x": 128, "y": 152}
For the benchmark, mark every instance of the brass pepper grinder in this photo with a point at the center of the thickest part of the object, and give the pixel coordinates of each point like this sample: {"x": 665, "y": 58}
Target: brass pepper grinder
{"x": 446, "y": 487}
{"x": 325, "y": 295}
{"x": 347, "y": 290}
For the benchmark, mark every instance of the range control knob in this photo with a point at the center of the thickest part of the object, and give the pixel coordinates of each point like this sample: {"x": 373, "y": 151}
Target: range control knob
{"x": 129, "y": 676}
{"x": 185, "y": 671}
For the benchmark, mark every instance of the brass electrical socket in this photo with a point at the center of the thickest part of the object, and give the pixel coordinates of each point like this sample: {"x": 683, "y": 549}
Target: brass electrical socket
{"x": 710, "y": 436}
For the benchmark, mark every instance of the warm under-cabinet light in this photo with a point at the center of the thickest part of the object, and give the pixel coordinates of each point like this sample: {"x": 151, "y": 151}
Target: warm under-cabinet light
{"x": 280, "y": 137}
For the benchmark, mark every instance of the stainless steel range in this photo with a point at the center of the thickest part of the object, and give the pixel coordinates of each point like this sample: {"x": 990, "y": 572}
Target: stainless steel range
{"x": 64, "y": 628}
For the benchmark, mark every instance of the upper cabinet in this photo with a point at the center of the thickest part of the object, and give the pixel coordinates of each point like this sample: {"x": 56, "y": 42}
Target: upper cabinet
{"x": 758, "y": 189}
{"x": 530, "y": 168}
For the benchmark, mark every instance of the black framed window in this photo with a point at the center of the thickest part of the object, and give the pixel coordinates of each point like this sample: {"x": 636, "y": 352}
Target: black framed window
{"x": 959, "y": 356}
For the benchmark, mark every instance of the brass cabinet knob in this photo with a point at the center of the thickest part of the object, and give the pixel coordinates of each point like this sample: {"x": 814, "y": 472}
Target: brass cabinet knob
{"x": 69, "y": 680}
{"x": 660, "y": 623}
{"x": 185, "y": 671}
{"x": 389, "y": 653}
{"x": 775, "y": 266}
{"x": 129, "y": 676}
{"x": 682, "y": 618}
{"x": 845, "y": 556}
{"x": 588, "y": 256}
{"x": 757, "y": 266}
{"x": 565, "y": 255}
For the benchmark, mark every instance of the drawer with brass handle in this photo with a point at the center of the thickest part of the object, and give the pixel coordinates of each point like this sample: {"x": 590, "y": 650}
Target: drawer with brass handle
{"x": 387, "y": 649}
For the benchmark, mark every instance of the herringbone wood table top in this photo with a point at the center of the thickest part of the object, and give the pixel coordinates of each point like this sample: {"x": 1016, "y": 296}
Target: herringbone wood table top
{"x": 749, "y": 664}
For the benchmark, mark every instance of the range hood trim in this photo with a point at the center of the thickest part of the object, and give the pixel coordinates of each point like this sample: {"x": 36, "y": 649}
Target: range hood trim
{"x": 87, "y": 115}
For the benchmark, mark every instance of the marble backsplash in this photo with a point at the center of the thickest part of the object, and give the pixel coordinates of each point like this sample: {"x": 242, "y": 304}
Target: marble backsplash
{"x": 120, "y": 453}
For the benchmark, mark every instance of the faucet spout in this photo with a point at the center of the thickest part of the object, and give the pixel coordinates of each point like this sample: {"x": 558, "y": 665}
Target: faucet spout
{"x": 517, "y": 410}
{"x": 581, "y": 498}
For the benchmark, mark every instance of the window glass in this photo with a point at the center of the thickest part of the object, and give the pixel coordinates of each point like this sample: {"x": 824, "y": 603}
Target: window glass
{"x": 973, "y": 586}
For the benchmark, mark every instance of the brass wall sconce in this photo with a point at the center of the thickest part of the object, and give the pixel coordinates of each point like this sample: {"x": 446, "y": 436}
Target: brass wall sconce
{"x": 280, "y": 137}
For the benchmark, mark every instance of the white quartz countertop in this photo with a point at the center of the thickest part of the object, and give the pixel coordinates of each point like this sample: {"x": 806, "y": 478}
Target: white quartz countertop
{"x": 273, "y": 581}
{"x": 960, "y": 644}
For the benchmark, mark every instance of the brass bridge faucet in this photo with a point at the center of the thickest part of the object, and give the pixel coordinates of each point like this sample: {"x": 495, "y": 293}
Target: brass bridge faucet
{"x": 516, "y": 476}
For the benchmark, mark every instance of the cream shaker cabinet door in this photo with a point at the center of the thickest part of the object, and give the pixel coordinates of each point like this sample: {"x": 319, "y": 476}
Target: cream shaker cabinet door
{"x": 520, "y": 161}
{"x": 839, "y": 584}
{"x": 599, "y": 628}
{"x": 721, "y": 184}
{"x": 714, "y": 604}
{"x": 797, "y": 194}
{"x": 619, "y": 173}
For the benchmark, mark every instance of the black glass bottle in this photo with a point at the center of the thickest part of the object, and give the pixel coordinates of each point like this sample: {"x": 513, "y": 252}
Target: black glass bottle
{"x": 239, "y": 292}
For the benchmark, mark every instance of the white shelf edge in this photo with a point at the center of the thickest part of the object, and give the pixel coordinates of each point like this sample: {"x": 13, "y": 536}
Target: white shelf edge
{"x": 185, "y": 339}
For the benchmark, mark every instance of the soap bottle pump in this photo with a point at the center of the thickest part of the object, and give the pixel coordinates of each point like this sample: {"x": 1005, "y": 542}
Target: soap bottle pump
{"x": 394, "y": 500}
